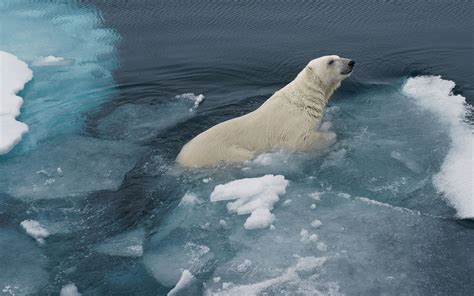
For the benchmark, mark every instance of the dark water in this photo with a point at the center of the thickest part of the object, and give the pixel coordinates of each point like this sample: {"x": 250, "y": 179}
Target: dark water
{"x": 237, "y": 53}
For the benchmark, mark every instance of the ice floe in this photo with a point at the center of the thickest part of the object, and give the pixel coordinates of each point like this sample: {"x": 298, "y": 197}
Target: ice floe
{"x": 14, "y": 74}
{"x": 35, "y": 230}
{"x": 69, "y": 290}
{"x": 254, "y": 196}
{"x": 455, "y": 179}
{"x": 183, "y": 282}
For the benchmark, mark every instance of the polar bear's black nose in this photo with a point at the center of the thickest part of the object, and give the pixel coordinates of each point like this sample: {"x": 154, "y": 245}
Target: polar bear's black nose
{"x": 351, "y": 63}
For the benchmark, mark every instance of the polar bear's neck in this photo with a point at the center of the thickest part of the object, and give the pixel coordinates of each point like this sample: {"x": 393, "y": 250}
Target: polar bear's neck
{"x": 309, "y": 94}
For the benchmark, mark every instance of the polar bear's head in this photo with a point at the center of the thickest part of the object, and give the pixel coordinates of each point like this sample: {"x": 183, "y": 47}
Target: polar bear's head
{"x": 329, "y": 71}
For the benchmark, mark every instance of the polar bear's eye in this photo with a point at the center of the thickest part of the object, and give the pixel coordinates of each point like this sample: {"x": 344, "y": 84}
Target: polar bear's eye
{"x": 330, "y": 62}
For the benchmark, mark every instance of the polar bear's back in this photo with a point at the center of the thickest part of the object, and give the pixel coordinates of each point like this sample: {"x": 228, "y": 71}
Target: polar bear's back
{"x": 216, "y": 144}
{"x": 275, "y": 124}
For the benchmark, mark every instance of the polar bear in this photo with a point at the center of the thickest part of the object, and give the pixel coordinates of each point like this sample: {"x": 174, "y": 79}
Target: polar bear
{"x": 288, "y": 120}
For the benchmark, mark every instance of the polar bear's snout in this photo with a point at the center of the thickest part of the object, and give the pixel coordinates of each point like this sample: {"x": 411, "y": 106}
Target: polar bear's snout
{"x": 347, "y": 67}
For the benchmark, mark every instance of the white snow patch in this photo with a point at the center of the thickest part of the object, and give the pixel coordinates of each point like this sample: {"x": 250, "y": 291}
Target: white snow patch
{"x": 316, "y": 223}
{"x": 197, "y": 99}
{"x": 69, "y": 290}
{"x": 14, "y": 74}
{"x": 254, "y": 196}
{"x": 306, "y": 237}
{"x": 35, "y": 230}
{"x": 455, "y": 179}
{"x": 184, "y": 281}
{"x": 50, "y": 61}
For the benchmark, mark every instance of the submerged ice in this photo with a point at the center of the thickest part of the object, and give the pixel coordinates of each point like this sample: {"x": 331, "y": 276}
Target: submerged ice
{"x": 72, "y": 56}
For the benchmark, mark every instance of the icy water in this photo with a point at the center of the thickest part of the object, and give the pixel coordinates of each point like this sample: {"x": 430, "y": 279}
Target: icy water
{"x": 91, "y": 201}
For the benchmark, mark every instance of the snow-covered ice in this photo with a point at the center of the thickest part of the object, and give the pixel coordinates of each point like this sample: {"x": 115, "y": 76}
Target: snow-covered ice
{"x": 14, "y": 74}
{"x": 455, "y": 179}
{"x": 254, "y": 196}
{"x": 183, "y": 282}
{"x": 69, "y": 290}
{"x": 35, "y": 230}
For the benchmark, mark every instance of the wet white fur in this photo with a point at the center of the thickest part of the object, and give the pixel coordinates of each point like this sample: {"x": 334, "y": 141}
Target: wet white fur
{"x": 287, "y": 120}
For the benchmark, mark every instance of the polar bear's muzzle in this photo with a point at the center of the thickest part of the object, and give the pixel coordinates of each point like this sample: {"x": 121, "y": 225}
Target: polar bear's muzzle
{"x": 348, "y": 66}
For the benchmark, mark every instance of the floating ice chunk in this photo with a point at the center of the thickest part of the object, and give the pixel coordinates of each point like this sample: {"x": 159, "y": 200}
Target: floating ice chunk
{"x": 410, "y": 164}
{"x": 128, "y": 244}
{"x": 190, "y": 199}
{"x": 344, "y": 195}
{"x": 183, "y": 282}
{"x": 306, "y": 237}
{"x": 87, "y": 164}
{"x": 255, "y": 196}
{"x": 321, "y": 246}
{"x": 244, "y": 266}
{"x": 316, "y": 195}
{"x": 316, "y": 223}
{"x": 312, "y": 206}
{"x": 259, "y": 218}
{"x": 216, "y": 279}
{"x": 51, "y": 61}
{"x": 457, "y": 171}
{"x": 197, "y": 99}
{"x": 287, "y": 202}
{"x": 69, "y": 290}
{"x": 35, "y": 230}
{"x": 14, "y": 74}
